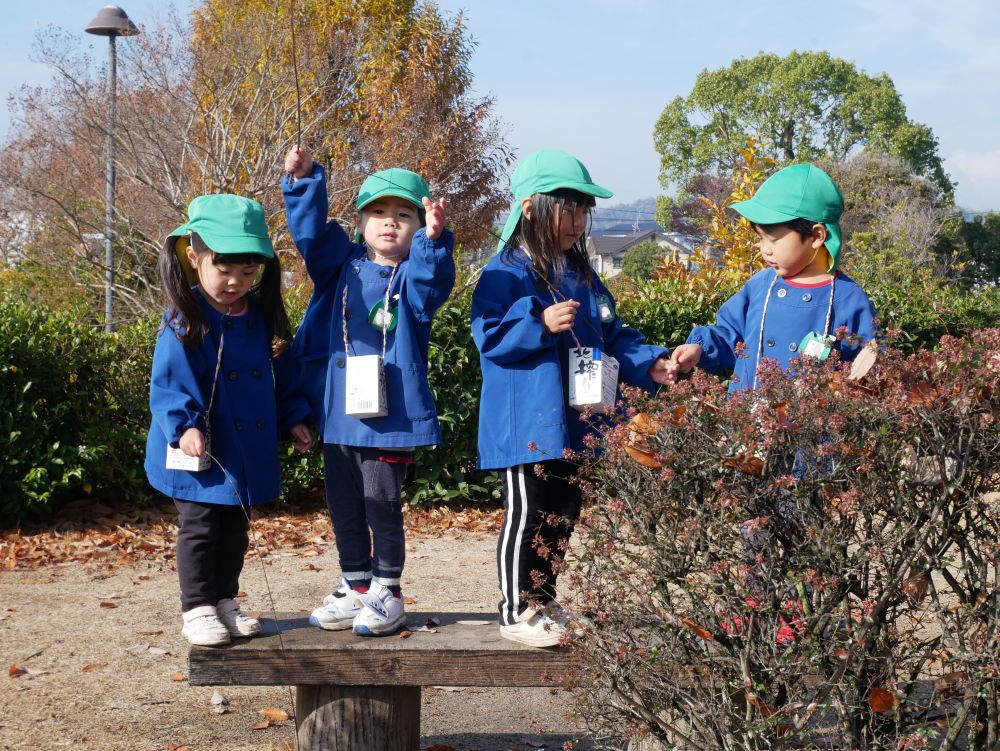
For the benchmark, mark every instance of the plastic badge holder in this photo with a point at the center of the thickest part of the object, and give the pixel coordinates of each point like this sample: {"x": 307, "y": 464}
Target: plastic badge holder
{"x": 365, "y": 387}
{"x": 593, "y": 379}
{"x": 177, "y": 459}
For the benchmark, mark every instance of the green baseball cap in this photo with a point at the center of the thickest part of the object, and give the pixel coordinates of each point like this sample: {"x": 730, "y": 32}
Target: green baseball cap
{"x": 228, "y": 224}
{"x": 542, "y": 172}
{"x": 801, "y": 191}
{"x": 397, "y": 182}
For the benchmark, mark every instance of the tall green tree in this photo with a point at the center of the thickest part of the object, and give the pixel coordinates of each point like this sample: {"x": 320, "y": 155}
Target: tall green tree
{"x": 800, "y": 107}
{"x": 640, "y": 261}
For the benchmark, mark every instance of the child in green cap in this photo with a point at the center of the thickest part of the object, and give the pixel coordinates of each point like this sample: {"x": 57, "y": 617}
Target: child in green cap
{"x": 801, "y": 304}
{"x": 218, "y": 411}
{"x": 545, "y": 324}
{"x": 363, "y": 343}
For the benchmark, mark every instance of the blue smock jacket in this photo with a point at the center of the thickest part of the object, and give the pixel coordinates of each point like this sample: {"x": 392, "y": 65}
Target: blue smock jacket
{"x": 256, "y": 401}
{"x": 420, "y": 285}
{"x": 525, "y": 396}
{"x": 793, "y": 311}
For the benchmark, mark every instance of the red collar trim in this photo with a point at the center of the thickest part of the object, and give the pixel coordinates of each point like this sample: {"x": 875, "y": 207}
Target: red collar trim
{"x": 806, "y": 285}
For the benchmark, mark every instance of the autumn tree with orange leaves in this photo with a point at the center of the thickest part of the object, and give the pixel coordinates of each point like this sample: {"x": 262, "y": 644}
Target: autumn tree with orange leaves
{"x": 210, "y": 103}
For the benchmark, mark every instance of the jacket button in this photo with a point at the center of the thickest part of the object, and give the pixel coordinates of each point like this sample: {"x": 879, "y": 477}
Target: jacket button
{"x": 261, "y": 424}
{"x": 355, "y": 270}
{"x": 238, "y": 424}
{"x": 770, "y": 342}
{"x": 782, "y": 292}
{"x": 807, "y": 297}
{"x": 255, "y": 373}
{"x": 793, "y": 346}
{"x": 233, "y": 375}
{"x": 228, "y": 324}
{"x": 340, "y": 362}
{"x": 383, "y": 273}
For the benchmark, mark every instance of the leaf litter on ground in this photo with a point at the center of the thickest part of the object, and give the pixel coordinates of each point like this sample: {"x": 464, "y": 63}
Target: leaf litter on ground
{"x": 88, "y": 531}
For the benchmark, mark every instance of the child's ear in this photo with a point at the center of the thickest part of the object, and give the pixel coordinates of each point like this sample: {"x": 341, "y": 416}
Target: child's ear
{"x": 192, "y": 257}
{"x": 819, "y": 235}
{"x": 526, "y": 207}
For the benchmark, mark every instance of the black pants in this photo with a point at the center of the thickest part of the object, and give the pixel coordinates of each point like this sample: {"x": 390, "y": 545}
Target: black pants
{"x": 362, "y": 496}
{"x": 531, "y": 541}
{"x": 211, "y": 543}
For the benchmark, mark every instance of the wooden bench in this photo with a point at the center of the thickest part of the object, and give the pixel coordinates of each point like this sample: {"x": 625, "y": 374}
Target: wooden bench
{"x": 363, "y": 694}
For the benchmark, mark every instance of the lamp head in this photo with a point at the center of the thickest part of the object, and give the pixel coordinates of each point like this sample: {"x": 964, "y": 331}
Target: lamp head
{"x": 111, "y": 21}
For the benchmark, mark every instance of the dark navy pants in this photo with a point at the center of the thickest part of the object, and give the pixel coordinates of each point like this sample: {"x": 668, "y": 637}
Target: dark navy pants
{"x": 362, "y": 495}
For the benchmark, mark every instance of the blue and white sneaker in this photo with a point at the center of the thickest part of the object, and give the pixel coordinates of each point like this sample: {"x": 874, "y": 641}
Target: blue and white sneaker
{"x": 339, "y": 609}
{"x": 383, "y": 612}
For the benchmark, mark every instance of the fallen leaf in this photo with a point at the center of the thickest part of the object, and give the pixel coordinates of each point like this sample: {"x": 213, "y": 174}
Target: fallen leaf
{"x": 950, "y": 681}
{"x": 408, "y": 600}
{"x": 106, "y": 604}
{"x": 473, "y": 623}
{"x": 748, "y": 464}
{"x": 172, "y": 747}
{"x": 881, "y": 700}
{"x": 262, "y": 725}
{"x": 178, "y": 677}
{"x": 158, "y": 651}
{"x": 309, "y": 567}
{"x": 93, "y": 666}
{"x": 218, "y": 698}
{"x": 157, "y": 632}
{"x": 15, "y": 672}
{"x": 274, "y": 714}
{"x": 404, "y": 634}
{"x": 915, "y": 587}
{"x": 137, "y": 649}
{"x": 701, "y": 631}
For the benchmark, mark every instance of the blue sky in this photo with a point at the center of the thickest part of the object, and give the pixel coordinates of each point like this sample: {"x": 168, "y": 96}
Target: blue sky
{"x": 591, "y": 76}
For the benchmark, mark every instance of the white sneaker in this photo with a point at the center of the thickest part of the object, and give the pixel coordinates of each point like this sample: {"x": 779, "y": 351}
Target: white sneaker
{"x": 536, "y": 628}
{"x": 235, "y": 620}
{"x": 203, "y": 628}
{"x": 339, "y": 609}
{"x": 383, "y": 612}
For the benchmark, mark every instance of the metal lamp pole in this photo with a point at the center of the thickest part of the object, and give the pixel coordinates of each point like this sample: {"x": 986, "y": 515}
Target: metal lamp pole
{"x": 111, "y": 22}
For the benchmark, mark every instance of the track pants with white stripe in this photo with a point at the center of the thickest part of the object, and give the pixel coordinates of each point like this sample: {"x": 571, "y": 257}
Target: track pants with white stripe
{"x": 540, "y": 511}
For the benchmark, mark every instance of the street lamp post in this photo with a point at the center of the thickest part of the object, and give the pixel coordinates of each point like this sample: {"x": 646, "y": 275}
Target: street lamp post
{"x": 111, "y": 22}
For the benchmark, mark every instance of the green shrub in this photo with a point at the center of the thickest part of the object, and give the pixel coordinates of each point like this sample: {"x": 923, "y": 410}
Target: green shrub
{"x": 52, "y": 408}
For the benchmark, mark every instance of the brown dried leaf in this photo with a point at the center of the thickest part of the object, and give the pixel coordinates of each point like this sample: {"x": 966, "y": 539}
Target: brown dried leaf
{"x": 404, "y": 634}
{"x": 915, "y": 586}
{"x": 880, "y": 700}
{"x": 15, "y": 672}
{"x": 262, "y": 725}
{"x": 106, "y": 604}
{"x": 91, "y": 667}
{"x": 178, "y": 677}
{"x": 951, "y": 681}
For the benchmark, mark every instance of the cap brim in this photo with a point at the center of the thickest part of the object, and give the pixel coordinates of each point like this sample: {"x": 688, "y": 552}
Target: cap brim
{"x": 758, "y": 214}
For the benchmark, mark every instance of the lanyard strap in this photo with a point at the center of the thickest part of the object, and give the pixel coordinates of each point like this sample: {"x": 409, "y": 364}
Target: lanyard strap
{"x": 385, "y": 315}
{"x": 763, "y": 318}
{"x": 215, "y": 376}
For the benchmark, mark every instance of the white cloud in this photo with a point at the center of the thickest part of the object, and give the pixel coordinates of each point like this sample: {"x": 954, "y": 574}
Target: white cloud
{"x": 978, "y": 178}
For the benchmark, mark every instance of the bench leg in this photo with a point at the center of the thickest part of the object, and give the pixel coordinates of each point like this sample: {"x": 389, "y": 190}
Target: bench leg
{"x": 358, "y": 718}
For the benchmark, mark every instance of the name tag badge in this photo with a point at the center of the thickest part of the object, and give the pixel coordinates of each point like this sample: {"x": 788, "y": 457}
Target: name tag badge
{"x": 177, "y": 459}
{"x": 814, "y": 345}
{"x": 365, "y": 387}
{"x": 382, "y": 318}
{"x": 593, "y": 379}
{"x": 604, "y": 309}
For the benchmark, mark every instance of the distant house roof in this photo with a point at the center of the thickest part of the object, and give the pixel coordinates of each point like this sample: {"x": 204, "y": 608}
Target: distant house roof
{"x": 604, "y": 244}
{"x": 628, "y": 228}
{"x": 612, "y": 245}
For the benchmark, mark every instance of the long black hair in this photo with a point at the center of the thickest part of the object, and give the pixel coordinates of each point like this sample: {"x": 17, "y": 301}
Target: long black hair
{"x": 539, "y": 236}
{"x": 186, "y": 317}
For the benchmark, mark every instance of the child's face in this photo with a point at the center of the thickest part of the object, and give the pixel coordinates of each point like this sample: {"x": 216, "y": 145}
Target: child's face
{"x": 388, "y": 225}
{"x": 223, "y": 284}
{"x": 568, "y": 225}
{"x": 790, "y": 254}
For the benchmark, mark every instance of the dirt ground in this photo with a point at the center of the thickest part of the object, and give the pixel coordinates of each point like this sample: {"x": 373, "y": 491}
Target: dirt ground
{"x": 107, "y": 666}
